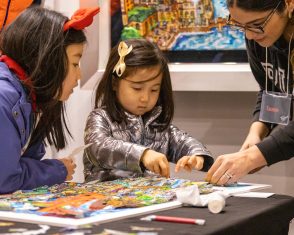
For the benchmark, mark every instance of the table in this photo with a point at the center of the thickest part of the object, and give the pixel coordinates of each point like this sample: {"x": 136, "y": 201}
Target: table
{"x": 248, "y": 216}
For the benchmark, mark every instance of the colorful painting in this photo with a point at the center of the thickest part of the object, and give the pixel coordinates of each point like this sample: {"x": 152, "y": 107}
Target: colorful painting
{"x": 177, "y": 25}
{"x": 74, "y": 203}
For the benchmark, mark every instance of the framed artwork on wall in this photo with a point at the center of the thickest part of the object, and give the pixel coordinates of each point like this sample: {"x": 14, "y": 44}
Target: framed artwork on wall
{"x": 187, "y": 31}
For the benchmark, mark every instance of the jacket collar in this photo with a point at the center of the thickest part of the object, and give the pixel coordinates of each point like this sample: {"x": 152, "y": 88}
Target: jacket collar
{"x": 148, "y": 119}
{"x": 22, "y": 76}
{"x": 8, "y": 75}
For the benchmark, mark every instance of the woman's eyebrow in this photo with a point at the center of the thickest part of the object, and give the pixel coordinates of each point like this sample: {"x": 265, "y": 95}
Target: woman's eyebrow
{"x": 250, "y": 22}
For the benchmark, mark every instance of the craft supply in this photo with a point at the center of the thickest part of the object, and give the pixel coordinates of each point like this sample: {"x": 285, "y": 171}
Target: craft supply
{"x": 189, "y": 195}
{"x": 174, "y": 219}
{"x": 79, "y": 149}
{"x": 216, "y": 203}
{"x": 145, "y": 229}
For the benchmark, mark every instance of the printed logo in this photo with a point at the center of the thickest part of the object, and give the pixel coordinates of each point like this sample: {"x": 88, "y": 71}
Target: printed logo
{"x": 277, "y": 73}
{"x": 284, "y": 118}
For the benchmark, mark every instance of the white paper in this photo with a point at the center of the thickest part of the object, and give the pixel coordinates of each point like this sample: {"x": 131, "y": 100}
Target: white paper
{"x": 254, "y": 194}
{"x": 191, "y": 196}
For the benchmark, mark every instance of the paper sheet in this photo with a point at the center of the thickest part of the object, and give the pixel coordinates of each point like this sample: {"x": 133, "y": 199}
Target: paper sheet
{"x": 254, "y": 194}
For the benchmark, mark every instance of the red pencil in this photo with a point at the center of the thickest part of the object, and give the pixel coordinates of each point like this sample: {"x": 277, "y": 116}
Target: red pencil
{"x": 174, "y": 219}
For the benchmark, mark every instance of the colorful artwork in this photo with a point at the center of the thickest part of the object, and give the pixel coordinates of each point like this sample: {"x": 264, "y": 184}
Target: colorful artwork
{"x": 177, "y": 25}
{"x": 74, "y": 204}
{"x": 80, "y": 201}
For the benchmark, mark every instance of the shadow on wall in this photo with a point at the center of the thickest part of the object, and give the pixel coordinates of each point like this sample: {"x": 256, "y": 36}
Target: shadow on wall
{"x": 217, "y": 118}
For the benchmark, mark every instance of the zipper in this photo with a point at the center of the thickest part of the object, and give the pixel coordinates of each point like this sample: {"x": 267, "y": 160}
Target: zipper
{"x": 143, "y": 130}
{"x": 6, "y": 15}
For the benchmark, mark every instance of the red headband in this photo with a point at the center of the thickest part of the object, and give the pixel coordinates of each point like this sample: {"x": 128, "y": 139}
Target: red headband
{"x": 81, "y": 18}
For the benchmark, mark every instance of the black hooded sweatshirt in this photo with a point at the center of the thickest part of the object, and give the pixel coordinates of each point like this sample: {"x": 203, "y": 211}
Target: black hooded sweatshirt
{"x": 279, "y": 144}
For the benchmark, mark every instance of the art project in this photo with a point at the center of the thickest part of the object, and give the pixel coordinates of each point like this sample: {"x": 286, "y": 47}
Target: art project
{"x": 74, "y": 204}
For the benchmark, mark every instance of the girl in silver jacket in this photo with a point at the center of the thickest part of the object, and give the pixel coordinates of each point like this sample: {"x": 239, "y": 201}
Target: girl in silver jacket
{"x": 130, "y": 128}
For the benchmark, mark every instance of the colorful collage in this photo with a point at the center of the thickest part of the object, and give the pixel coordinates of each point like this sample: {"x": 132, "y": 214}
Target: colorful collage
{"x": 74, "y": 200}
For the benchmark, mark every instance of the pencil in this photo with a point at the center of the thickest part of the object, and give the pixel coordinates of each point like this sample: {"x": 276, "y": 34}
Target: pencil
{"x": 174, "y": 219}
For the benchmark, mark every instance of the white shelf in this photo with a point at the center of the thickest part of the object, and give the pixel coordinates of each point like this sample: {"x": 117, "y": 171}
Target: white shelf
{"x": 202, "y": 77}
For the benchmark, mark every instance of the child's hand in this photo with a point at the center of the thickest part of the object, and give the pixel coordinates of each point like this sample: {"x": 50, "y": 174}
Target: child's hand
{"x": 156, "y": 162}
{"x": 190, "y": 162}
{"x": 70, "y": 167}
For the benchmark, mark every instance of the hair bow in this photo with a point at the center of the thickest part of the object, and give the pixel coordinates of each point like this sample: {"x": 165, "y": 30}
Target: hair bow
{"x": 81, "y": 18}
{"x": 123, "y": 50}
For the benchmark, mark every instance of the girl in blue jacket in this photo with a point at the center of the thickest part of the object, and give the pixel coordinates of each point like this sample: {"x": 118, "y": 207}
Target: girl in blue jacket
{"x": 39, "y": 67}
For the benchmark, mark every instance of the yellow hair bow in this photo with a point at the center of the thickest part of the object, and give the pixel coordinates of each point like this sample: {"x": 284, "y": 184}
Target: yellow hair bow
{"x": 123, "y": 50}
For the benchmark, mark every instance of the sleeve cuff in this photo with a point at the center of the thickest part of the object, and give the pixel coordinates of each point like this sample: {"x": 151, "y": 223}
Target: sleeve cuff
{"x": 62, "y": 171}
{"x": 134, "y": 156}
{"x": 270, "y": 150}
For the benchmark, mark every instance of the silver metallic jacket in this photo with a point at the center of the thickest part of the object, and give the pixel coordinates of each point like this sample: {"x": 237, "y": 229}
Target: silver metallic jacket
{"x": 118, "y": 147}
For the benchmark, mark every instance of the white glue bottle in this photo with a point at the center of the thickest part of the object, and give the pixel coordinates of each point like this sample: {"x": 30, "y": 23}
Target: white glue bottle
{"x": 217, "y": 202}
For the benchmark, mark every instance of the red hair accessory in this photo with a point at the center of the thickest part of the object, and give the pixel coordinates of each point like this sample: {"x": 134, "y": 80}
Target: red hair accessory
{"x": 21, "y": 74}
{"x": 81, "y": 18}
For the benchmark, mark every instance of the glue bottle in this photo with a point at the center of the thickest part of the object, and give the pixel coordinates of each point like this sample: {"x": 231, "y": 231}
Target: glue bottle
{"x": 217, "y": 202}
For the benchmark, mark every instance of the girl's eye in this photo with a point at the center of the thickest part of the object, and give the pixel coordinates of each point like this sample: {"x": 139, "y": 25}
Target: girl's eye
{"x": 155, "y": 90}
{"x": 137, "y": 88}
{"x": 75, "y": 65}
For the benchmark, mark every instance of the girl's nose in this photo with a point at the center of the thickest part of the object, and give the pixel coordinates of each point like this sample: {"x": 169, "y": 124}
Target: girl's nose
{"x": 144, "y": 96}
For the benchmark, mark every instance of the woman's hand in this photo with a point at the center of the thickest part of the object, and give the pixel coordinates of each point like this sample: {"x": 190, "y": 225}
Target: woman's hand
{"x": 250, "y": 141}
{"x": 70, "y": 167}
{"x": 257, "y": 132}
{"x": 229, "y": 168}
{"x": 189, "y": 163}
{"x": 156, "y": 162}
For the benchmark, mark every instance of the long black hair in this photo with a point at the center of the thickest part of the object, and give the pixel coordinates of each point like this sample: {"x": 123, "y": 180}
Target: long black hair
{"x": 143, "y": 55}
{"x": 258, "y": 5}
{"x": 37, "y": 42}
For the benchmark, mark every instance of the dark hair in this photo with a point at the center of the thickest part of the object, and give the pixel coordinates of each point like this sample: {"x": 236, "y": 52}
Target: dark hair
{"x": 257, "y": 5}
{"x": 37, "y": 42}
{"x": 144, "y": 54}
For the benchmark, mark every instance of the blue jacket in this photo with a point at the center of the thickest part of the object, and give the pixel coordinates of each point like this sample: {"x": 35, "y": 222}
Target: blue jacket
{"x": 18, "y": 171}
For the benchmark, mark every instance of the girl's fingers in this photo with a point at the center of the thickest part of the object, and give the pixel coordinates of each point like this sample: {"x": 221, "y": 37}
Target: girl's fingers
{"x": 188, "y": 168}
{"x": 181, "y": 163}
{"x": 164, "y": 169}
{"x": 156, "y": 169}
{"x": 199, "y": 163}
{"x": 178, "y": 166}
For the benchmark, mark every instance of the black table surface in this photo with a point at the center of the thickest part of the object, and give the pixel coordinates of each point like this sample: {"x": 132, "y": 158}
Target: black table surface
{"x": 241, "y": 216}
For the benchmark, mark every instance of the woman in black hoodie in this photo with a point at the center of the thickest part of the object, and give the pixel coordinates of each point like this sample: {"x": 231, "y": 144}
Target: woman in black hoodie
{"x": 269, "y": 28}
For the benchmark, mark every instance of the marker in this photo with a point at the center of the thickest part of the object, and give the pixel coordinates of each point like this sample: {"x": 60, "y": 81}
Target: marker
{"x": 174, "y": 219}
